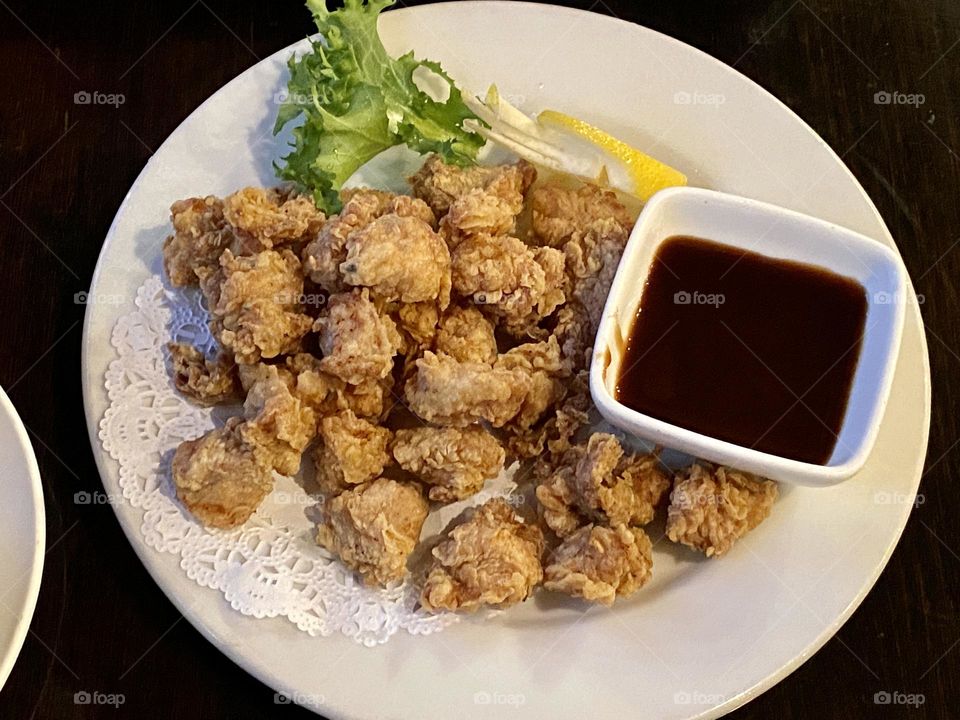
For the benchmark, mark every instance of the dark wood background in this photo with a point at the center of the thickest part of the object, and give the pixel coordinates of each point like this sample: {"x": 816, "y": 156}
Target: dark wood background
{"x": 101, "y": 622}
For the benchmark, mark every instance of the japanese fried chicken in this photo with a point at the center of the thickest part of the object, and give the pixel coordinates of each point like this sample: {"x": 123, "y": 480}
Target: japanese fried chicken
{"x": 449, "y": 340}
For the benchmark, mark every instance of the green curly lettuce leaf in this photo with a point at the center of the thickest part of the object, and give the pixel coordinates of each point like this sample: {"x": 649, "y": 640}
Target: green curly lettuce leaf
{"x": 356, "y": 101}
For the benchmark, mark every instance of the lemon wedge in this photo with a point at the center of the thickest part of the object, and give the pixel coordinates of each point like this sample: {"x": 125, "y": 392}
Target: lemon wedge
{"x": 643, "y": 175}
{"x": 570, "y": 145}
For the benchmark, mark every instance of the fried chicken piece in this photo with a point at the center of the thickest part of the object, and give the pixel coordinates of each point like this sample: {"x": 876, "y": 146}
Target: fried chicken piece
{"x": 542, "y": 364}
{"x": 598, "y": 484}
{"x": 358, "y": 343}
{"x": 374, "y": 527}
{"x": 361, "y": 206}
{"x": 711, "y": 508}
{"x": 592, "y": 258}
{"x": 491, "y": 209}
{"x": 518, "y": 284}
{"x": 256, "y": 311}
{"x": 351, "y": 451}
{"x": 273, "y": 216}
{"x": 466, "y": 335}
{"x": 454, "y": 462}
{"x": 209, "y": 382}
{"x": 599, "y": 564}
{"x": 220, "y": 478}
{"x": 278, "y": 424}
{"x": 447, "y": 392}
{"x": 418, "y": 323}
{"x": 493, "y": 558}
{"x": 399, "y": 258}
{"x": 440, "y": 184}
{"x": 575, "y": 334}
{"x": 559, "y": 212}
{"x": 201, "y": 234}
{"x": 326, "y": 394}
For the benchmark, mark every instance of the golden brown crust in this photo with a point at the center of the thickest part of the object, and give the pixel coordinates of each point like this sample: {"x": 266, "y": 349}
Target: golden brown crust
{"x": 374, "y": 527}
{"x": 466, "y": 335}
{"x": 208, "y": 382}
{"x": 351, "y": 451}
{"x": 516, "y": 284}
{"x": 711, "y": 508}
{"x": 560, "y": 213}
{"x": 597, "y": 484}
{"x": 446, "y": 392}
{"x": 220, "y": 478}
{"x": 454, "y": 462}
{"x": 600, "y": 564}
{"x": 493, "y": 558}
{"x": 257, "y": 311}
{"x": 357, "y": 341}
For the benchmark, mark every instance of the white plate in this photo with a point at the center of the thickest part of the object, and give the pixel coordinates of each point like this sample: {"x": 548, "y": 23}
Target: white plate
{"x": 22, "y": 535}
{"x": 704, "y": 636}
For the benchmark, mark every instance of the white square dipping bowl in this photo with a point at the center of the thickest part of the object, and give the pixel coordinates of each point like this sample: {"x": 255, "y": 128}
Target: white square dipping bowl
{"x": 778, "y": 233}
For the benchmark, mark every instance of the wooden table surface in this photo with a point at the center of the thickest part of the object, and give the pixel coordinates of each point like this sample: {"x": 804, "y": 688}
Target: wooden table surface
{"x": 102, "y": 624}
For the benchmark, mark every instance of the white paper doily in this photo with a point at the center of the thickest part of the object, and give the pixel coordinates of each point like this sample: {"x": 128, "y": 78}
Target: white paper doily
{"x": 270, "y": 566}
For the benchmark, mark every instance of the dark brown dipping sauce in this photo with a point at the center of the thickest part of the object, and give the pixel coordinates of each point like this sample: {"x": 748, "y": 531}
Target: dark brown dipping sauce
{"x": 726, "y": 341}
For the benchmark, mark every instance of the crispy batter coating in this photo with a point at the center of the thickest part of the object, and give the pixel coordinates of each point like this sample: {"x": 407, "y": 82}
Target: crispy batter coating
{"x": 358, "y": 343}
{"x": 279, "y": 425}
{"x": 351, "y": 451}
{"x": 418, "y": 324}
{"x": 599, "y": 564}
{"x": 220, "y": 478}
{"x": 518, "y": 284}
{"x": 447, "y": 392}
{"x": 493, "y": 558}
{"x": 399, "y": 258}
{"x": 542, "y": 364}
{"x": 440, "y": 184}
{"x": 257, "y": 312}
{"x": 575, "y": 333}
{"x": 592, "y": 258}
{"x": 491, "y": 209}
{"x": 201, "y": 234}
{"x": 361, "y": 206}
{"x": 711, "y": 508}
{"x": 209, "y": 382}
{"x": 273, "y": 216}
{"x": 559, "y": 212}
{"x": 598, "y": 484}
{"x": 326, "y": 394}
{"x": 466, "y": 335}
{"x": 374, "y": 527}
{"x": 454, "y": 462}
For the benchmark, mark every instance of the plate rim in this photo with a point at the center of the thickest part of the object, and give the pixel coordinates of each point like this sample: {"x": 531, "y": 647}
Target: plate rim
{"x": 265, "y": 674}
{"x": 12, "y": 651}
